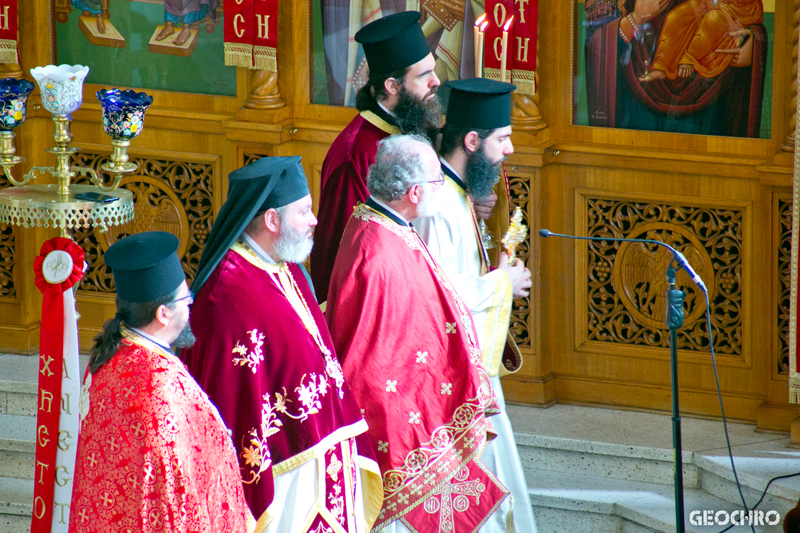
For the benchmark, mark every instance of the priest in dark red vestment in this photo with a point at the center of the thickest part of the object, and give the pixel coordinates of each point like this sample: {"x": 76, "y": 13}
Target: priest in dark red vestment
{"x": 153, "y": 453}
{"x": 400, "y": 96}
{"x": 410, "y": 354}
{"x": 266, "y": 359}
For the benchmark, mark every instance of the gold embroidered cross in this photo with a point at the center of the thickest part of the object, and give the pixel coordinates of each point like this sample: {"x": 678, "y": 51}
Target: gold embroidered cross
{"x": 334, "y": 468}
{"x": 450, "y": 327}
{"x": 454, "y": 497}
{"x": 391, "y": 385}
{"x": 413, "y": 417}
{"x": 422, "y": 357}
{"x": 92, "y": 459}
{"x": 447, "y": 388}
{"x": 383, "y": 446}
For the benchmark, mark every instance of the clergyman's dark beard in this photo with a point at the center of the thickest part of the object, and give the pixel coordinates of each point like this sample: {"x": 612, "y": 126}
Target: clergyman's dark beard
{"x": 482, "y": 174}
{"x": 413, "y": 115}
{"x": 186, "y": 338}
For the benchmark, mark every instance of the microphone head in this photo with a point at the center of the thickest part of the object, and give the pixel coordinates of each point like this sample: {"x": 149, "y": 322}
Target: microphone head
{"x": 544, "y": 232}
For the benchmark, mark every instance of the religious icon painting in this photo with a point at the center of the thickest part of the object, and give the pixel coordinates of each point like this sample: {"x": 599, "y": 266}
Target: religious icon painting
{"x": 339, "y": 68}
{"x": 689, "y": 66}
{"x": 171, "y": 45}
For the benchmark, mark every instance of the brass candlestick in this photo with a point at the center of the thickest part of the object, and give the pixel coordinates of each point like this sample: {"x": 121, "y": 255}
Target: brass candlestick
{"x": 63, "y": 205}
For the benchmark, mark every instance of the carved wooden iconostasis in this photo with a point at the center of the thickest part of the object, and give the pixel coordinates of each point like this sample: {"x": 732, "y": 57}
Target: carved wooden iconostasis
{"x": 592, "y": 330}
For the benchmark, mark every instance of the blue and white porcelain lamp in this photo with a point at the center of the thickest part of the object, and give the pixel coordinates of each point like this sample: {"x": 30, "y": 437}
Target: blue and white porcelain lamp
{"x": 13, "y": 111}
{"x": 123, "y": 120}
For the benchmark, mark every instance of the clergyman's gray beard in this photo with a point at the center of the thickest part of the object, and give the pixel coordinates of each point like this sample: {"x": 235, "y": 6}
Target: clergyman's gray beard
{"x": 185, "y": 338}
{"x": 292, "y": 246}
{"x": 482, "y": 174}
{"x": 414, "y": 115}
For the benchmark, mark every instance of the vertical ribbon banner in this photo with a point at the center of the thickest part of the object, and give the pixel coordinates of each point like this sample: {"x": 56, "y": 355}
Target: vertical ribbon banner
{"x": 251, "y": 34}
{"x": 57, "y": 268}
{"x": 8, "y": 31}
{"x": 522, "y": 40}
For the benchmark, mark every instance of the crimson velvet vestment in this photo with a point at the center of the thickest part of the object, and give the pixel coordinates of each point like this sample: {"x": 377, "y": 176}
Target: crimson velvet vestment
{"x": 153, "y": 453}
{"x": 265, "y": 357}
{"x": 410, "y": 355}
{"x": 344, "y": 185}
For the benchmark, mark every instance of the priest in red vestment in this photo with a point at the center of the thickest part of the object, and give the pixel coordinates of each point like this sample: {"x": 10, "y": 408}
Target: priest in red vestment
{"x": 410, "y": 354}
{"x": 153, "y": 453}
{"x": 265, "y": 357}
{"x": 400, "y": 96}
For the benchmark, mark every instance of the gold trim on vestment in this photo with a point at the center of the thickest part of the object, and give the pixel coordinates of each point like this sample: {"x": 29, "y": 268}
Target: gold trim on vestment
{"x": 371, "y": 489}
{"x": 343, "y": 433}
{"x": 378, "y": 122}
{"x": 265, "y": 519}
{"x": 498, "y": 317}
{"x": 145, "y": 343}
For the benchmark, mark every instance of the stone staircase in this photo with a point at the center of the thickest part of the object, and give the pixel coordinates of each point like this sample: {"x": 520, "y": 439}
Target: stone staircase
{"x": 17, "y": 429}
{"x": 588, "y": 469}
{"x": 604, "y": 470}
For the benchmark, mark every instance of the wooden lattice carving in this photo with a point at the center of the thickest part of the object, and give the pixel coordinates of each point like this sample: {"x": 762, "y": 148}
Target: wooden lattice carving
{"x": 784, "y": 281}
{"x": 626, "y": 282}
{"x": 173, "y": 196}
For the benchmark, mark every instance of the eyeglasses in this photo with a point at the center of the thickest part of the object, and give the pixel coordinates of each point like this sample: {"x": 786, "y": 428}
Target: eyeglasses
{"x": 439, "y": 181}
{"x": 189, "y": 297}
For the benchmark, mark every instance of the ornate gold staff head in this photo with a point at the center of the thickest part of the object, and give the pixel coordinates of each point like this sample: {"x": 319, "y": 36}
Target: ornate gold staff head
{"x": 514, "y": 235}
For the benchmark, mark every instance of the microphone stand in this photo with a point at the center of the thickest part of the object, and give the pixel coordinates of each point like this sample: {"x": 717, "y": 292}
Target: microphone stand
{"x": 674, "y": 320}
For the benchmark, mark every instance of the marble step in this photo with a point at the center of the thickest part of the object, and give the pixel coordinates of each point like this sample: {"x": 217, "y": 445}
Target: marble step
{"x": 16, "y": 496}
{"x": 18, "y": 384}
{"x": 575, "y": 503}
{"x": 632, "y": 446}
{"x": 17, "y": 445}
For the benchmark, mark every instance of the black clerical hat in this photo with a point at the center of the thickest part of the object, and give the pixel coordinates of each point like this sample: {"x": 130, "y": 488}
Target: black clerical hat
{"x": 393, "y": 43}
{"x": 479, "y": 103}
{"x": 267, "y": 183}
{"x": 145, "y": 265}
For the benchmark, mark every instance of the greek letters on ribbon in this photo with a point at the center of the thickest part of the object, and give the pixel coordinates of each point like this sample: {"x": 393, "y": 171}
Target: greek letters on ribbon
{"x": 522, "y": 41}
{"x": 251, "y": 34}
{"x": 57, "y": 268}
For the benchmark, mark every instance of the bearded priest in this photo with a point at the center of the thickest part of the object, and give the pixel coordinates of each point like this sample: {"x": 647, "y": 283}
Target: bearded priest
{"x": 409, "y": 352}
{"x": 399, "y": 97}
{"x": 153, "y": 453}
{"x": 265, "y": 357}
{"x": 475, "y": 141}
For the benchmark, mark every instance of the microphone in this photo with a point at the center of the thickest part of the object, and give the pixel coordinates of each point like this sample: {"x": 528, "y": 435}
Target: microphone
{"x": 679, "y": 257}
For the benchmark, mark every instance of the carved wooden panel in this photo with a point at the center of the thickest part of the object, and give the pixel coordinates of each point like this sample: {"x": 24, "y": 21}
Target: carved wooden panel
{"x": 520, "y": 313}
{"x": 784, "y": 252}
{"x": 627, "y": 282}
{"x": 250, "y": 157}
{"x": 172, "y": 196}
{"x": 8, "y": 288}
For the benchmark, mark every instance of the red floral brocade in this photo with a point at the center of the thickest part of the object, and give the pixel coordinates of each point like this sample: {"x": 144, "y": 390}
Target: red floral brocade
{"x": 410, "y": 355}
{"x": 153, "y": 453}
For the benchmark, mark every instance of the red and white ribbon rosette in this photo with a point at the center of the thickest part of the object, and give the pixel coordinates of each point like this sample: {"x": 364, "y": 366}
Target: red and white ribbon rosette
{"x": 57, "y": 268}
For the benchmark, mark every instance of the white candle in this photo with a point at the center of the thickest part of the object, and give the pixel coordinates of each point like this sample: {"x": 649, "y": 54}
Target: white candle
{"x": 504, "y": 55}
{"x": 475, "y": 31}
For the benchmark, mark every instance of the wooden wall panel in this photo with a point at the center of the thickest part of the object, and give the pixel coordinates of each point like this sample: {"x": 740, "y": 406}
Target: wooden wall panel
{"x": 559, "y": 176}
